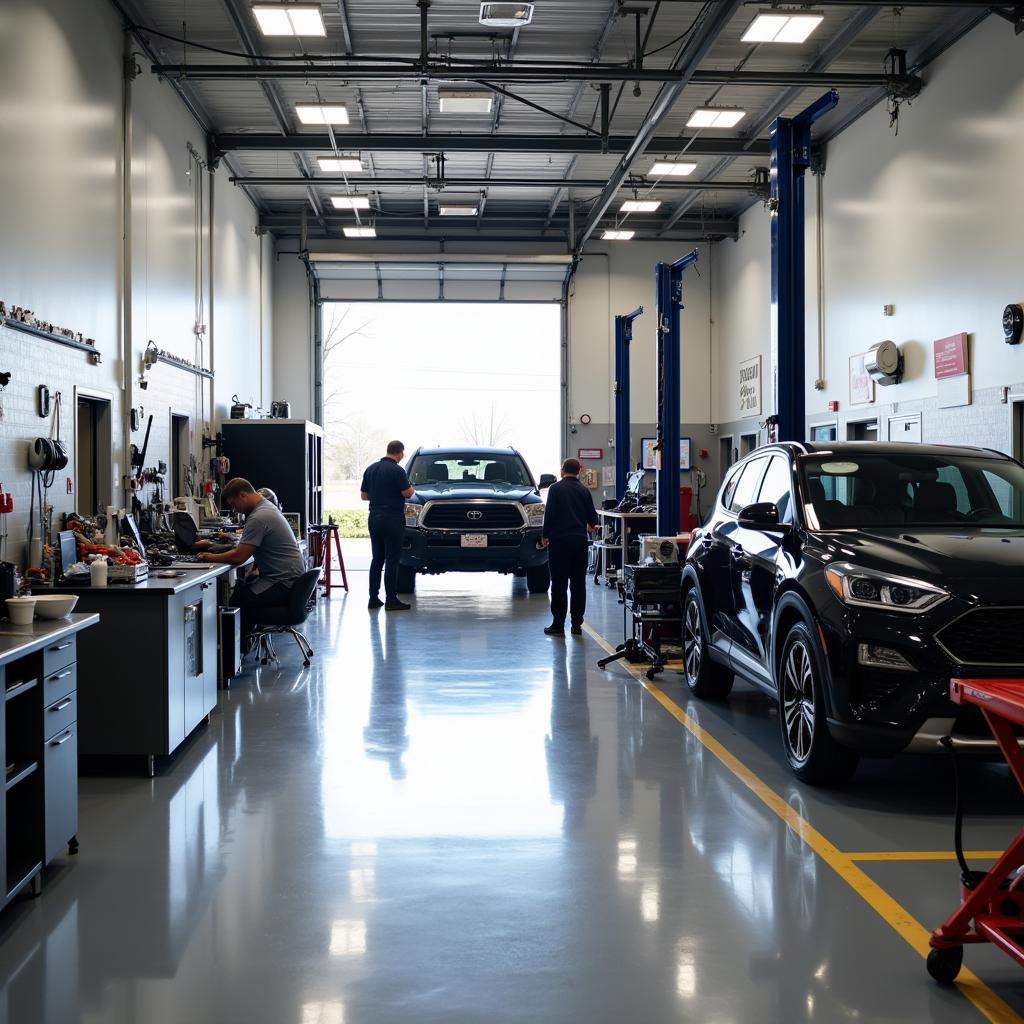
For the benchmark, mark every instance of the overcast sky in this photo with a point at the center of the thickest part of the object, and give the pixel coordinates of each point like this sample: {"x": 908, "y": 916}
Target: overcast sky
{"x": 440, "y": 373}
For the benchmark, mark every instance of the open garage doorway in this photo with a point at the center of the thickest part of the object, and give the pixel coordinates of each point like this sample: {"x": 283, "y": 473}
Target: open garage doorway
{"x": 436, "y": 374}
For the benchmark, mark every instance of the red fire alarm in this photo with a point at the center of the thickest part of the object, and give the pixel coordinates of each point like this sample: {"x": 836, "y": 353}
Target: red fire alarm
{"x": 833, "y": 406}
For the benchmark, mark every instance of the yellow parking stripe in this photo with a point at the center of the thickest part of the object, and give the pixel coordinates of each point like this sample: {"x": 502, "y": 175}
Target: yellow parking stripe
{"x": 909, "y": 928}
{"x": 897, "y": 855}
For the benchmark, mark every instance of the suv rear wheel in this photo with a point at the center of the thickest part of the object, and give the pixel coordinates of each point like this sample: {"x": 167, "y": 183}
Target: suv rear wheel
{"x": 538, "y": 579}
{"x": 705, "y": 678}
{"x": 813, "y": 755}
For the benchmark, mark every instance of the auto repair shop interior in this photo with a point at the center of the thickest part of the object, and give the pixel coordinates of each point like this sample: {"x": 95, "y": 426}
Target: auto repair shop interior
{"x": 774, "y": 775}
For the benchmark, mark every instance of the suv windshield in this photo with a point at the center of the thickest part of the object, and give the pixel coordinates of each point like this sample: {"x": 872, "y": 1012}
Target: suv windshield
{"x": 468, "y": 467}
{"x": 858, "y": 490}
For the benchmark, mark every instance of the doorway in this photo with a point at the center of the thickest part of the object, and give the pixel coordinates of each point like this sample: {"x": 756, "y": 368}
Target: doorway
{"x": 905, "y": 428}
{"x": 726, "y": 455}
{"x": 181, "y": 449}
{"x": 93, "y": 445}
{"x": 862, "y": 430}
{"x": 748, "y": 442}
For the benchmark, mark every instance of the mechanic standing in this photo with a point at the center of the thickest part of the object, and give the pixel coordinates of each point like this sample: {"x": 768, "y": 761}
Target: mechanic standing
{"x": 569, "y": 514}
{"x": 385, "y": 486}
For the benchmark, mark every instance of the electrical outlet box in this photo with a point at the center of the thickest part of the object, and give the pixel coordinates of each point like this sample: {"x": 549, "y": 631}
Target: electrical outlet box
{"x": 888, "y": 309}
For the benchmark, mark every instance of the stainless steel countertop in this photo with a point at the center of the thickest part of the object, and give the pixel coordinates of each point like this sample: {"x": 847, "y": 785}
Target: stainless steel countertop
{"x": 17, "y": 641}
{"x": 152, "y": 585}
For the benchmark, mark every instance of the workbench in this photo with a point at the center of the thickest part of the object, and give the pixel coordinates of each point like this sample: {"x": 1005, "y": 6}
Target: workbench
{"x": 149, "y": 672}
{"x": 630, "y": 526}
{"x": 38, "y": 741}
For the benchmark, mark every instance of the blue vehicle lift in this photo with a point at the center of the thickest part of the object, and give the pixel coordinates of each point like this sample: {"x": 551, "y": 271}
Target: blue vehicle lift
{"x": 790, "y": 158}
{"x": 668, "y": 283}
{"x": 623, "y": 441}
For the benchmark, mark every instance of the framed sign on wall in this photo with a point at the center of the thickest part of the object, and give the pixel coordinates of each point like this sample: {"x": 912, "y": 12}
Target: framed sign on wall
{"x": 750, "y": 387}
{"x": 648, "y": 455}
{"x": 589, "y": 453}
{"x": 862, "y": 386}
{"x": 684, "y": 453}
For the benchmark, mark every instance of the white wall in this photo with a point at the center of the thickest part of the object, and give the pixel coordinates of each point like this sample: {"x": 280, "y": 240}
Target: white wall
{"x": 293, "y": 334}
{"x": 61, "y": 248}
{"x": 930, "y": 221}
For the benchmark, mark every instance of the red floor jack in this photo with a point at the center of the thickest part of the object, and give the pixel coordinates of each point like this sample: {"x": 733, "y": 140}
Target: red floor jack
{"x": 991, "y": 902}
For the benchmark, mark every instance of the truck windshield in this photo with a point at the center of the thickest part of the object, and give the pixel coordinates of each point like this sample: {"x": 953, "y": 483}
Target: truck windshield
{"x": 895, "y": 489}
{"x": 468, "y": 467}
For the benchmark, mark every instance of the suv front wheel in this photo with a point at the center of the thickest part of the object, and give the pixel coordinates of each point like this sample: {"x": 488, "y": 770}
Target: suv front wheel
{"x": 813, "y": 755}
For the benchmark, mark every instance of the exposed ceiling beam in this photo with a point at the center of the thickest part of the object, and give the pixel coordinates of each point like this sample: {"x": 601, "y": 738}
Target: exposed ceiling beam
{"x": 519, "y": 73}
{"x": 833, "y": 50}
{"x": 693, "y": 51}
{"x": 665, "y": 184}
{"x": 482, "y": 143}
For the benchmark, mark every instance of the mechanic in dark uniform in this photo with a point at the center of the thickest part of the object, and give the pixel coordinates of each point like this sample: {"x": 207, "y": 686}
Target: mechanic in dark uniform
{"x": 385, "y": 486}
{"x": 568, "y": 515}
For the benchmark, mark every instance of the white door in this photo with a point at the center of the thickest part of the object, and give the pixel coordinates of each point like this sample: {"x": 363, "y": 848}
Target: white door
{"x": 905, "y": 428}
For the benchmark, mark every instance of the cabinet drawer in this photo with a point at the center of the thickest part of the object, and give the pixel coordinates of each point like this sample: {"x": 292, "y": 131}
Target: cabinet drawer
{"x": 59, "y": 715}
{"x": 59, "y": 654}
{"x": 59, "y": 684}
{"x": 60, "y": 776}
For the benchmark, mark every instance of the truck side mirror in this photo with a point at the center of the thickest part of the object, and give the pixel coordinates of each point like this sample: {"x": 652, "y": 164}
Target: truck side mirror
{"x": 546, "y": 480}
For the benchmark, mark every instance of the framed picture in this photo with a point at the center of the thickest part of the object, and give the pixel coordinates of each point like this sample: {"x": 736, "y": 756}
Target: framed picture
{"x": 590, "y": 453}
{"x": 862, "y": 387}
{"x": 684, "y": 454}
{"x": 648, "y": 456}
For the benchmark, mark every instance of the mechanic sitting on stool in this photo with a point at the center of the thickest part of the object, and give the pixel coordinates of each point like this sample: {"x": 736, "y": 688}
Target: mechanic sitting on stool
{"x": 269, "y": 541}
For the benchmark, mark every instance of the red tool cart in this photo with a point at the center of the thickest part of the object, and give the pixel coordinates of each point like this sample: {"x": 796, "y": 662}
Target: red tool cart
{"x": 991, "y": 902}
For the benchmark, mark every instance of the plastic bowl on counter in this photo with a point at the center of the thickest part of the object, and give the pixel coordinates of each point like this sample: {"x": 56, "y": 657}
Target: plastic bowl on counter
{"x": 21, "y": 610}
{"x": 55, "y": 606}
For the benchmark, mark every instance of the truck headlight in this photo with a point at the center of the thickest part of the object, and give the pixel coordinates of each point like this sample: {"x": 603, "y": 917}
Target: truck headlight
{"x": 535, "y": 514}
{"x": 866, "y": 588}
{"x": 412, "y": 514}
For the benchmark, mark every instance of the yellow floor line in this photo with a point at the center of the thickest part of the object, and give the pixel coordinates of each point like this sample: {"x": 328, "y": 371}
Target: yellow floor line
{"x": 895, "y": 855}
{"x": 911, "y": 930}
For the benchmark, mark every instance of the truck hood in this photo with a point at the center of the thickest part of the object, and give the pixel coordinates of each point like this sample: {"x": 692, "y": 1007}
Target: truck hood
{"x": 458, "y": 490}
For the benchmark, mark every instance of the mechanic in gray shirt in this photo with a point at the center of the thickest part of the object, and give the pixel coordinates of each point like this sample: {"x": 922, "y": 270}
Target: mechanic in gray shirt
{"x": 268, "y": 540}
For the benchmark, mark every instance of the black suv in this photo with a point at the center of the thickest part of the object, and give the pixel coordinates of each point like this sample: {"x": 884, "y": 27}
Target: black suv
{"x": 851, "y": 581}
{"x": 474, "y": 510}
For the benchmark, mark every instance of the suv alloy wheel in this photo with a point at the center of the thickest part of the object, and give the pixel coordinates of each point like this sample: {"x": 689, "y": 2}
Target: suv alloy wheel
{"x": 705, "y": 678}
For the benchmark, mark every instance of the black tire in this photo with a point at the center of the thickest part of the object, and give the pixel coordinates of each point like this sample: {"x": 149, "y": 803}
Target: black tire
{"x": 406, "y": 580}
{"x": 813, "y": 755}
{"x": 538, "y": 579}
{"x": 706, "y": 678}
{"x": 944, "y": 964}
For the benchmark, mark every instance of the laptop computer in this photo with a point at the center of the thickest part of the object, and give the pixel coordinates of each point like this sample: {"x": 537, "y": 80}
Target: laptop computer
{"x": 186, "y": 533}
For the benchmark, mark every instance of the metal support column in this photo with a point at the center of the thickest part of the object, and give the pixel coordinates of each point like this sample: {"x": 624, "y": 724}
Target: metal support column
{"x": 790, "y": 158}
{"x": 668, "y": 289}
{"x": 623, "y": 441}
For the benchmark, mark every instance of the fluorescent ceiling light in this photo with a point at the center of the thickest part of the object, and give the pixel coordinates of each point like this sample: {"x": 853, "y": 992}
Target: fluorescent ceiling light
{"x": 360, "y": 232}
{"x": 615, "y": 235}
{"x": 506, "y": 15}
{"x": 457, "y": 209}
{"x": 335, "y": 165}
{"x": 289, "y": 19}
{"x": 671, "y": 169}
{"x": 322, "y": 113}
{"x": 465, "y": 101}
{"x": 780, "y": 26}
{"x": 715, "y": 117}
{"x": 351, "y": 202}
{"x": 640, "y": 206}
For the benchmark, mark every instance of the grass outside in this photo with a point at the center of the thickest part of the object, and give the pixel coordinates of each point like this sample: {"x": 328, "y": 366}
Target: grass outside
{"x": 351, "y": 520}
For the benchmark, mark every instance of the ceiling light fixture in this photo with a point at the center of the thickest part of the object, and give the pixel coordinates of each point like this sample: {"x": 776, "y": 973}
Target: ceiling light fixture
{"x": 639, "y": 206}
{"x": 465, "y": 101}
{"x": 370, "y": 232}
{"x": 457, "y": 209}
{"x": 289, "y": 19}
{"x": 615, "y": 235}
{"x": 506, "y": 15}
{"x": 671, "y": 169}
{"x": 351, "y": 202}
{"x": 781, "y": 26}
{"x": 716, "y": 117}
{"x": 338, "y": 165}
{"x": 322, "y": 113}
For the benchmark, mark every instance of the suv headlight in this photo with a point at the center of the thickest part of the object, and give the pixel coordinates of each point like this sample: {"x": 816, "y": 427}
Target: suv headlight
{"x": 866, "y": 588}
{"x": 535, "y": 514}
{"x": 412, "y": 514}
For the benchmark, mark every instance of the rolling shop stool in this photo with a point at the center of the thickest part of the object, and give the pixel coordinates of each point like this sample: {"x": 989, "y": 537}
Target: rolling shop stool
{"x": 991, "y": 902}
{"x": 322, "y": 556}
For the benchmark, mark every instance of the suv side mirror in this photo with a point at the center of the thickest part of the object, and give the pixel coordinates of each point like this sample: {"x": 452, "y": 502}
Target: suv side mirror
{"x": 546, "y": 480}
{"x": 762, "y": 516}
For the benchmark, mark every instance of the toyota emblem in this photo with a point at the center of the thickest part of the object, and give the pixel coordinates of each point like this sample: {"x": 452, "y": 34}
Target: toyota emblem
{"x": 474, "y": 514}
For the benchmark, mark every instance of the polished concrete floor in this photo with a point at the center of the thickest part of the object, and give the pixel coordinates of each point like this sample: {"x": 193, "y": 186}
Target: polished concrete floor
{"x": 452, "y": 818}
